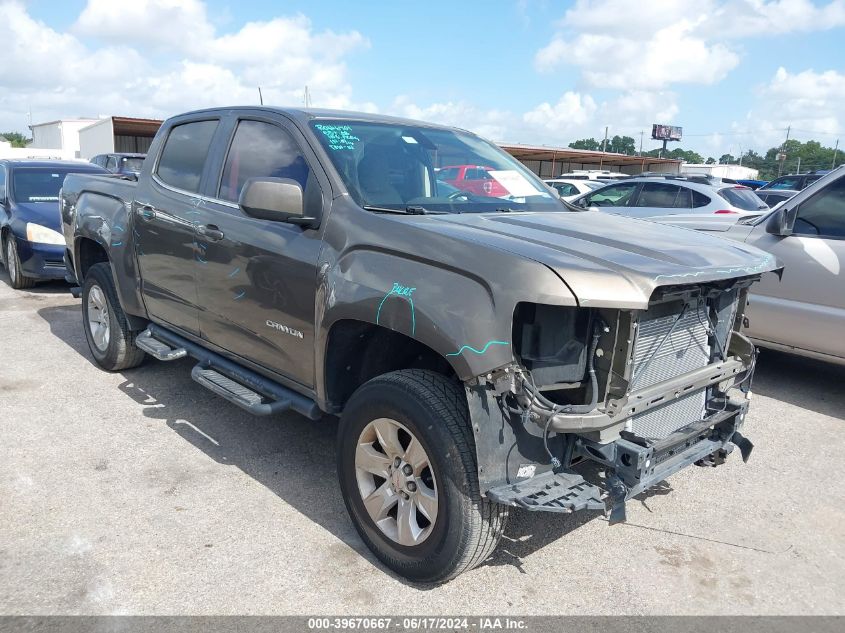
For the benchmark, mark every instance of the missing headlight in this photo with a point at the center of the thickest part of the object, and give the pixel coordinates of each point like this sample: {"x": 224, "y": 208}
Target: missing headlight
{"x": 552, "y": 342}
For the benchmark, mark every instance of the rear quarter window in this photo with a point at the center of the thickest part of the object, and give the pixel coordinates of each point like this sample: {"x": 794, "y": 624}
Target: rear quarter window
{"x": 184, "y": 154}
{"x": 742, "y": 198}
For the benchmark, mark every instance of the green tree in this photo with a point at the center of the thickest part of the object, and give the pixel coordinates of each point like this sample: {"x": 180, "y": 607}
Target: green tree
{"x": 586, "y": 143}
{"x": 15, "y": 138}
{"x": 622, "y": 145}
{"x": 617, "y": 144}
{"x": 727, "y": 159}
{"x": 686, "y": 155}
{"x": 710, "y": 161}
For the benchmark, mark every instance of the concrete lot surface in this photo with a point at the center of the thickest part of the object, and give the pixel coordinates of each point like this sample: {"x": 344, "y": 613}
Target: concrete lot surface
{"x": 142, "y": 493}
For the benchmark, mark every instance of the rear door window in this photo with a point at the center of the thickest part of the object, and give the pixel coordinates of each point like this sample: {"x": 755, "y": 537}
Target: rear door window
{"x": 564, "y": 189}
{"x": 823, "y": 215}
{"x": 447, "y": 173}
{"x": 184, "y": 155}
{"x": 684, "y": 199}
{"x": 658, "y": 195}
{"x": 476, "y": 173}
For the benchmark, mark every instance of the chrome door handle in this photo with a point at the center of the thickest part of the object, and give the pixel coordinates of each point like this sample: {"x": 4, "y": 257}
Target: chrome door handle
{"x": 210, "y": 232}
{"x": 147, "y": 212}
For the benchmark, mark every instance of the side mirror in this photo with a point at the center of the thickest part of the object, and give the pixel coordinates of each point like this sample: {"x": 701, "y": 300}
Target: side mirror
{"x": 275, "y": 199}
{"x": 782, "y": 221}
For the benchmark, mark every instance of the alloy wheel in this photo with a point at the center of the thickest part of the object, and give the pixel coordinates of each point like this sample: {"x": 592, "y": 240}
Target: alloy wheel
{"x": 396, "y": 481}
{"x": 98, "y": 318}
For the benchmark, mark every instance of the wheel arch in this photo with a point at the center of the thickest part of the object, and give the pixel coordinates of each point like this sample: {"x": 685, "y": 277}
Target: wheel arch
{"x": 357, "y": 351}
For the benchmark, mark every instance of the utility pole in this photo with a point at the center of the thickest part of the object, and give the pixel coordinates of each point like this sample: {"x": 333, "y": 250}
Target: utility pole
{"x": 603, "y": 148}
{"x": 836, "y": 147}
{"x": 260, "y": 96}
{"x": 798, "y": 170}
{"x": 641, "y": 143}
{"x": 783, "y": 151}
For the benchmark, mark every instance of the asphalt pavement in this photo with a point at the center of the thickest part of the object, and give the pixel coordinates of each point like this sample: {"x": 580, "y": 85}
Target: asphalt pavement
{"x": 140, "y": 492}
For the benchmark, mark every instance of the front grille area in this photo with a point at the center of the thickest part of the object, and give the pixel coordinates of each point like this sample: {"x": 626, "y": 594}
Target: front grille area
{"x": 685, "y": 350}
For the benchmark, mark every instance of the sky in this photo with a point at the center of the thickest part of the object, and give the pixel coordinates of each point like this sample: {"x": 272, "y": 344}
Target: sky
{"x": 734, "y": 74}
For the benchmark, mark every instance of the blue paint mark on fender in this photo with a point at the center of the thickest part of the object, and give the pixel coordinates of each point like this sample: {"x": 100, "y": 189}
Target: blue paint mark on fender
{"x": 119, "y": 243}
{"x": 233, "y": 273}
{"x": 240, "y": 295}
{"x": 476, "y": 351}
{"x": 405, "y": 292}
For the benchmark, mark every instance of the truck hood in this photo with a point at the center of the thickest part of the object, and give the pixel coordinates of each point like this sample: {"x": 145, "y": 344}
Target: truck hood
{"x": 608, "y": 260}
{"x": 43, "y": 213}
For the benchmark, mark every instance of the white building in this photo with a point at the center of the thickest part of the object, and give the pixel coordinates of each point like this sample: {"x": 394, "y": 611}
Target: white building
{"x": 85, "y": 138}
{"x": 734, "y": 172}
{"x": 61, "y": 135}
{"x": 117, "y": 134}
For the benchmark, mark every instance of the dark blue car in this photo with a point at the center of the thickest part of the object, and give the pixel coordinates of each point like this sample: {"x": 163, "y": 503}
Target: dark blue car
{"x": 33, "y": 246}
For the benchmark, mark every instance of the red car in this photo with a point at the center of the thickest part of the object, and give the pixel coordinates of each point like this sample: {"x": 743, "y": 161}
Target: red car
{"x": 472, "y": 178}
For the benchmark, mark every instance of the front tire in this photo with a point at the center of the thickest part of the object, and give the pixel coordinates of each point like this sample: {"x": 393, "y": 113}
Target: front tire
{"x": 110, "y": 339}
{"x": 17, "y": 279}
{"x": 407, "y": 469}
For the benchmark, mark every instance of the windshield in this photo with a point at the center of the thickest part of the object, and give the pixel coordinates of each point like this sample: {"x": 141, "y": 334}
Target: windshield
{"x": 38, "y": 185}
{"x": 394, "y": 166}
{"x": 743, "y": 198}
{"x": 131, "y": 164}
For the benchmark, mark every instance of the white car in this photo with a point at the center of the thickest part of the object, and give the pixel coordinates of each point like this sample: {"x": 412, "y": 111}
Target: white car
{"x": 569, "y": 189}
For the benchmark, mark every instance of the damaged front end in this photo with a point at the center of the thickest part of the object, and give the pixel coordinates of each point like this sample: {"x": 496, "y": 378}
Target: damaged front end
{"x": 602, "y": 404}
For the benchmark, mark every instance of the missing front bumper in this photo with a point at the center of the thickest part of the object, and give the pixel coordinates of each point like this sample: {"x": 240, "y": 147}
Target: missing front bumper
{"x": 628, "y": 466}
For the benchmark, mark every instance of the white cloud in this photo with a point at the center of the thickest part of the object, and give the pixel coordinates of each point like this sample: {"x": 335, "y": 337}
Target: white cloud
{"x": 571, "y": 112}
{"x": 574, "y": 115}
{"x": 492, "y": 124}
{"x": 157, "y": 24}
{"x": 809, "y": 102}
{"x": 159, "y": 57}
{"x": 621, "y": 44}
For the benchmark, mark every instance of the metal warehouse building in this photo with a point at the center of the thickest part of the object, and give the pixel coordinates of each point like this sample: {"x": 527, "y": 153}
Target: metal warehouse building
{"x": 550, "y": 162}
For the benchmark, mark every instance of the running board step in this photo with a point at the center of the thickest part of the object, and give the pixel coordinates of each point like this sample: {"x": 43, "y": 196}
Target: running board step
{"x": 274, "y": 396}
{"x": 157, "y": 349}
{"x": 236, "y": 393}
{"x": 550, "y": 492}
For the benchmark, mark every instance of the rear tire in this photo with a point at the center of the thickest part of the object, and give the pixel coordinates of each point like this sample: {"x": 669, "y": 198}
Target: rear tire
{"x": 17, "y": 279}
{"x": 452, "y": 528}
{"x": 110, "y": 339}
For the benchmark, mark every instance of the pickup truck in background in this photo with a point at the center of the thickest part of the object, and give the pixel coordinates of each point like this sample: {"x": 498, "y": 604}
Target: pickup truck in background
{"x": 483, "y": 350}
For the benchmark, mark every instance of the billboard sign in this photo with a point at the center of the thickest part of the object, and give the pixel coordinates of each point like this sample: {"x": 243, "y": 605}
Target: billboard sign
{"x": 666, "y": 132}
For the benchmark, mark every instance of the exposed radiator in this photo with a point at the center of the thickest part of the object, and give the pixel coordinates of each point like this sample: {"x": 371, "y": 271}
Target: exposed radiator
{"x": 685, "y": 350}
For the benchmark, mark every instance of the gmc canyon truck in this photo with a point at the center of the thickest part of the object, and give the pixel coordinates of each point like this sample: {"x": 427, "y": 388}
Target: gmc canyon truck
{"x": 481, "y": 351}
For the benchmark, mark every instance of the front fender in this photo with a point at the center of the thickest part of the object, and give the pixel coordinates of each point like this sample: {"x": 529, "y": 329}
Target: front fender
{"x": 465, "y": 318}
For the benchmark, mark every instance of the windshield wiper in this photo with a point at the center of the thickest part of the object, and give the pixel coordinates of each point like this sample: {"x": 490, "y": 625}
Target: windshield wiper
{"x": 409, "y": 210}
